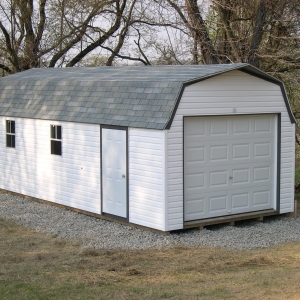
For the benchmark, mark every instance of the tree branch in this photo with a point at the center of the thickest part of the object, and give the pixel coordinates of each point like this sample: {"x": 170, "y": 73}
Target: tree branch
{"x": 9, "y": 48}
{"x": 5, "y": 68}
{"x": 122, "y": 35}
{"x": 181, "y": 15}
{"x": 78, "y": 38}
{"x": 41, "y": 24}
{"x": 140, "y": 49}
{"x": 124, "y": 56}
{"x": 103, "y": 38}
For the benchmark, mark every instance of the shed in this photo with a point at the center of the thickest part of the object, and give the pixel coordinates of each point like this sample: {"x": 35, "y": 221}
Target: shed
{"x": 165, "y": 147}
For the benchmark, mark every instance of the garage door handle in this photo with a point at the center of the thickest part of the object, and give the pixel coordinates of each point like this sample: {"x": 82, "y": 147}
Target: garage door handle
{"x": 230, "y": 177}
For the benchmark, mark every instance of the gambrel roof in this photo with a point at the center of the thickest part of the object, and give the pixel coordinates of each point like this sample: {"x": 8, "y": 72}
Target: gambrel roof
{"x": 133, "y": 96}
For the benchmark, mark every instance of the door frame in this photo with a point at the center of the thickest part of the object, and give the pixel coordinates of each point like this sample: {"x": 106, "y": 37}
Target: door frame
{"x": 277, "y": 159}
{"x": 127, "y": 173}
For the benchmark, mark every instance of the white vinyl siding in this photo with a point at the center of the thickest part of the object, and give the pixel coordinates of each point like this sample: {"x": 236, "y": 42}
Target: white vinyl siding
{"x": 72, "y": 179}
{"x": 147, "y": 178}
{"x": 231, "y": 93}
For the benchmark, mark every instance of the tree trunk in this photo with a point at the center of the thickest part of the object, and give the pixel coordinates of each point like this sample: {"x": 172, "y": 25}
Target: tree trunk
{"x": 223, "y": 13}
{"x": 253, "y": 58}
{"x": 208, "y": 51}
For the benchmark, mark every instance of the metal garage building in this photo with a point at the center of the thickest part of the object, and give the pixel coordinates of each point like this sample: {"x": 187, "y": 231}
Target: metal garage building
{"x": 164, "y": 147}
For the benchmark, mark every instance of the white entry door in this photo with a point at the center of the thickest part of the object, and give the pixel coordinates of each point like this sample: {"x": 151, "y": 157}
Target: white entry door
{"x": 229, "y": 165}
{"x": 114, "y": 165}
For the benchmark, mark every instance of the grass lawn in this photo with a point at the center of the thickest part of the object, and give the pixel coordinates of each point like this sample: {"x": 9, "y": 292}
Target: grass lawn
{"x": 38, "y": 266}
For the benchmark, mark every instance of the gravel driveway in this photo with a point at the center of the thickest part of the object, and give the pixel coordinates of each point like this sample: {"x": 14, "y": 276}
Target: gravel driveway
{"x": 93, "y": 232}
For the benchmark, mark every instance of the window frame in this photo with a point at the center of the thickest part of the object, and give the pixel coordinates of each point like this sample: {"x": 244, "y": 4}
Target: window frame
{"x": 10, "y": 133}
{"x": 55, "y": 139}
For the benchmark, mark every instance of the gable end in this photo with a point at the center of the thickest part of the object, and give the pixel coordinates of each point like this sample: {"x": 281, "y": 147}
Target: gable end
{"x": 247, "y": 69}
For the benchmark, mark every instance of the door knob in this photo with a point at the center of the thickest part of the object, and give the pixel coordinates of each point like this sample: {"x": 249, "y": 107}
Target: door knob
{"x": 123, "y": 176}
{"x": 230, "y": 177}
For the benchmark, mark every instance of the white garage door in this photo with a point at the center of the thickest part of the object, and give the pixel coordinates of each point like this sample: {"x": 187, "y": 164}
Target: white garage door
{"x": 229, "y": 165}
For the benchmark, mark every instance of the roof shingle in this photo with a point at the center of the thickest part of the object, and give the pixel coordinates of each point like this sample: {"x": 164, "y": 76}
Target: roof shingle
{"x": 127, "y": 96}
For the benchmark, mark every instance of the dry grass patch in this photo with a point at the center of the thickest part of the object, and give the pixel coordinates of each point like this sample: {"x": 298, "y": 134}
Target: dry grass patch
{"x": 38, "y": 266}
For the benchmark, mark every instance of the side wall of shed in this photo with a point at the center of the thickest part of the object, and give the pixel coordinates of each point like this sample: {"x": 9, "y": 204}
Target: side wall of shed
{"x": 147, "y": 177}
{"x": 72, "y": 179}
{"x": 231, "y": 93}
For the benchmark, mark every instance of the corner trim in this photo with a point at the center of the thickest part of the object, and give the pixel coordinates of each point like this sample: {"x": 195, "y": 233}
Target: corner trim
{"x": 278, "y": 162}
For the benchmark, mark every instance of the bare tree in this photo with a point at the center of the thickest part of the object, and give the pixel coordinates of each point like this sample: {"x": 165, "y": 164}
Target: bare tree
{"x": 51, "y": 33}
{"x": 224, "y": 31}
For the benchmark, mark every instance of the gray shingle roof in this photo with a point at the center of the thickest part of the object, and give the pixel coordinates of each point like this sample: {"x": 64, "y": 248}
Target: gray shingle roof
{"x": 144, "y": 97}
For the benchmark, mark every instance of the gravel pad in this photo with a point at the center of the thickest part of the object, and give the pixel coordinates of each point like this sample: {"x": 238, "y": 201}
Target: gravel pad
{"x": 94, "y": 232}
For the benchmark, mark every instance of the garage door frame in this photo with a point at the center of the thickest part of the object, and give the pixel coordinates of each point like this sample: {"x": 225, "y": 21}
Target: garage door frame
{"x": 278, "y": 161}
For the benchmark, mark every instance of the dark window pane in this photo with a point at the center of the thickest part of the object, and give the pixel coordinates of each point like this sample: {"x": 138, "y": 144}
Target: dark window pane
{"x": 12, "y": 126}
{"x": 58, "y": 136}
{"x": 7, "y": 126}
{"x": 8, "y": 140}
{"x": 13, "y": 141}
{"x": 52, "y": 128}
{"x": 56, "y": 147}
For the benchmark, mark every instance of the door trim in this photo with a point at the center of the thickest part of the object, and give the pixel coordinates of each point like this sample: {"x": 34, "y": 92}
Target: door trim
{"x": 127, "y": 173}
{"x": 277, "y": 159}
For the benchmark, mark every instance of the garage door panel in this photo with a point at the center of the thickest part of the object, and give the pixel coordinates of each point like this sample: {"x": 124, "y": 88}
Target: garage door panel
{"x": 219, "y": 127}
{"x": 240, "y": 176}
{"x": 262, "y": 149}
{"x": 262, "y": 174}
{"x": 197, "y": 128}
{"x": 240, "y": 201}
{"x": 218, "y": 152}
{"x": 233, "y": 138}
{"x": 232, "y": 177}
{"x": 241, "y": 151}
{"x": 241, "y": 127}
{"x": 235, "y": 164}
{"x": 195, "y": 209}
{"x": 232, "y": 168}
{"x": 262, "y": 125}
{"x": 195, "y": 181}
{"x": 195, "y": 154}
{"x": 262, "y": 198}
{"x": 218, "y": 179}
{"x": 218, "y": 205}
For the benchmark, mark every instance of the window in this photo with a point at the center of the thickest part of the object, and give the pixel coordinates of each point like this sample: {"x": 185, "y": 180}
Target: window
{"x": 10, "y": 134}
{"x": 55, "y": 139}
